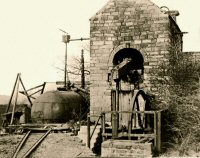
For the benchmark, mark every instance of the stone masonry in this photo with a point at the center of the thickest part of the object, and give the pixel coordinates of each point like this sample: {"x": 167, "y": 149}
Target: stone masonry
{"x": 121, "y": 24}
{"x": 126, "y": 148}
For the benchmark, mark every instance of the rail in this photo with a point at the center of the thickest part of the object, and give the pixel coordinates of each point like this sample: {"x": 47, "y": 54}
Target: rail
{"x": 30, "y": 150}
{"x": 21, "y": 144}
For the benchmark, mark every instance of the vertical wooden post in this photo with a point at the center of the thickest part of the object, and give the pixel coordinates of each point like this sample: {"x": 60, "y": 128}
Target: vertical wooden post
{"x": 158, "y": 131}
{"x": 88, "y": 130}
{"x": 129, "y": 129}
{"x": 82, "y": 70}
{"x": 155, "y": 129}
{"x": 115, "y": 114}
{"x": 103, "y": 126}
{"x": 8, "y": 107}
{"x": 14, "y": 106}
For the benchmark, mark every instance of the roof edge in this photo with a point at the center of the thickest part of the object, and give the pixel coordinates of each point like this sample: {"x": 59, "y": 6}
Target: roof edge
{"x": 100, "y": 10}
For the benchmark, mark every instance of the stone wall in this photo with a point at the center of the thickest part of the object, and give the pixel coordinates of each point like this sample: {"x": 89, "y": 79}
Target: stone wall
{"x": 126, "y": 148}
{"x": 194, "y": 56}
{"x": 140, "y": 25}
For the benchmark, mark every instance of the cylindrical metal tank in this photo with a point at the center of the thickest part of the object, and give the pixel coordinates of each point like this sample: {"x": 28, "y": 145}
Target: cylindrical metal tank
{"x": 56, "y": 107}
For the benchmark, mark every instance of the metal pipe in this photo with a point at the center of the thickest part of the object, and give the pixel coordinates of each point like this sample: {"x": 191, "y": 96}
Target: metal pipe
{"x": 65, "y": 75}
{"x": 80, "y": 39}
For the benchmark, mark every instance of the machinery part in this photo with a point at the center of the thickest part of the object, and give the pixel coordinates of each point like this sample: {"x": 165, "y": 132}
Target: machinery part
{"x": 57, "y": 107}
{"x": 139, "y": 105}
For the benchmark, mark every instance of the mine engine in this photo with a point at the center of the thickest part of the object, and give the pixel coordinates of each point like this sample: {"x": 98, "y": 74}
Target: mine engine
{"x": 127, "y": 73}
{"x": 131, "y": 117}
{"x": 129, "y": 98}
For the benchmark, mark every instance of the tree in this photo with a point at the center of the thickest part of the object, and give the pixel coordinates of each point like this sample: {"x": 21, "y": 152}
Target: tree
{"x": 78, "y": 68}
{"x": 178, "y": 86}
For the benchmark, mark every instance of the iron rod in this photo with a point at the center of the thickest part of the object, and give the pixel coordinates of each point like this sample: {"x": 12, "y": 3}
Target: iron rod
{"x": 80, "y": 39}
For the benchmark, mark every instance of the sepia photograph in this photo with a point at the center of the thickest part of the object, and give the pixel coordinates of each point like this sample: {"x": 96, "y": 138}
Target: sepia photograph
{"x": 99, "y": 78}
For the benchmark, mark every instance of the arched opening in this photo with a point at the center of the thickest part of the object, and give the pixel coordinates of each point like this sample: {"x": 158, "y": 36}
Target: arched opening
{"x": 136, "y": 65}
{"x": 136, "y": 57}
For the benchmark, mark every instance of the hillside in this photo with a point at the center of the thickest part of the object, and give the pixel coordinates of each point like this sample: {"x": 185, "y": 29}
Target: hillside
{"x": 4, "y": 99}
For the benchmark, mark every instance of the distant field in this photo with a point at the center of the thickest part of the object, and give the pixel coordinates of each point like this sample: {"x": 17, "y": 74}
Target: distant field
{"x": 2, "y": 110}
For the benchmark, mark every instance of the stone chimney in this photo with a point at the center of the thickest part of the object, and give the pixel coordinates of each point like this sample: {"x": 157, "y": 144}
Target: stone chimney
{"x": 173, "y": 14}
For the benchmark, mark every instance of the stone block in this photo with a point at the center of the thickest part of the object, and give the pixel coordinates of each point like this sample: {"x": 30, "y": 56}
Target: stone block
{"x": 124, "y": 148}
{"x": 137, "y": 41}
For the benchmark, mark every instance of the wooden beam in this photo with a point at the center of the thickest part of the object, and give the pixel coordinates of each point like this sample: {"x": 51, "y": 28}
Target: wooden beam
{"x": 14, "y": 106}
{"x": 25, "y": 91}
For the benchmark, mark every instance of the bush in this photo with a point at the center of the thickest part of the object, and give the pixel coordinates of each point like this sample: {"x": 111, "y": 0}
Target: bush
{"x": 178, "y": 86}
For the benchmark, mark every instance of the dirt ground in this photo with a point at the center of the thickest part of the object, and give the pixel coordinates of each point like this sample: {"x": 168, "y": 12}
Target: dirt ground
{"x": 59, "y": 145}
{"x": 8, "y": 143}
{"x": 55, "y": 145}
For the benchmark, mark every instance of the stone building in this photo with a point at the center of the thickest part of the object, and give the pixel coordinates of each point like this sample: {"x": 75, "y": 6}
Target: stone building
{"x": 138, "y": 29}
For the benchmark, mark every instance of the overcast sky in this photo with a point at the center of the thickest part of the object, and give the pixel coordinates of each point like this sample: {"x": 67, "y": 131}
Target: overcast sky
{"x": 30, "y": 40}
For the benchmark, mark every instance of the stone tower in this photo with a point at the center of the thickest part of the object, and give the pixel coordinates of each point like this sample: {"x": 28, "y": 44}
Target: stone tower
{"x": 138, "y": 27}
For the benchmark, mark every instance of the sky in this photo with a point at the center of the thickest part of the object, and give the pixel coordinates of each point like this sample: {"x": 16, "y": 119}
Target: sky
{"x": 31, "y": 42}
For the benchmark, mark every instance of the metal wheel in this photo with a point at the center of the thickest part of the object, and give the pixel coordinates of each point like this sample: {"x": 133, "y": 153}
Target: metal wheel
{"x": 137, "y": 120}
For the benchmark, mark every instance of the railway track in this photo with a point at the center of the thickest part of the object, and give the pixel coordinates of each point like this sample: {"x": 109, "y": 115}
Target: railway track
{"x": 29, "y": 143}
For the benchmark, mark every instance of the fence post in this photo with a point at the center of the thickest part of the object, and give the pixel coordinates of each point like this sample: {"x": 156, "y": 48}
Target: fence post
{"x": 158, "y": 131}
{"x": 155, "y": 129}
{"x": 103, "y": 125}
{"x": 88, "y": 130}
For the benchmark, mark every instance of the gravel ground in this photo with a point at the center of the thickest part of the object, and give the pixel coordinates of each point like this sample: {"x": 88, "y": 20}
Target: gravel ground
{"x": 55, "y": 145}
{"x": 8, "y": 143}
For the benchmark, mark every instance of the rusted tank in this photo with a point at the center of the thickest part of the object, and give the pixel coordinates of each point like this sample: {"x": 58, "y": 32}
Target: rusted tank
{"x": 57, "y": 107}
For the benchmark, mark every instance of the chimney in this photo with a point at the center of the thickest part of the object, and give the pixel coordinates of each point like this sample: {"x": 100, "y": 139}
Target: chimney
{"x": 173, "y": 14}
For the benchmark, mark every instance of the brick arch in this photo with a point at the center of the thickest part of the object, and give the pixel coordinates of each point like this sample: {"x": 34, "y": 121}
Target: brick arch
{"x": 117, "y": 49}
